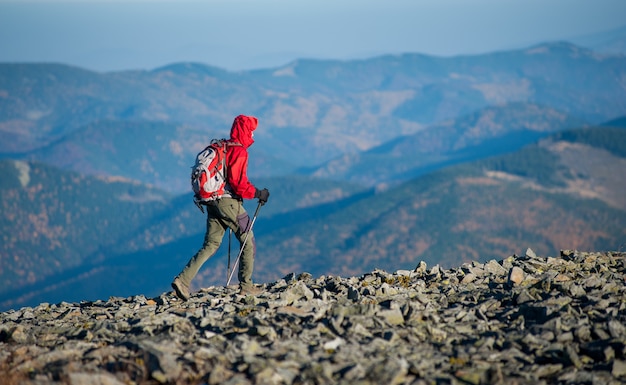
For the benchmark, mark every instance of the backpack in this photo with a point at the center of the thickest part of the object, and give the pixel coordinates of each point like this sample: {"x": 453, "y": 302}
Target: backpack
{"x": 208, "y": 174}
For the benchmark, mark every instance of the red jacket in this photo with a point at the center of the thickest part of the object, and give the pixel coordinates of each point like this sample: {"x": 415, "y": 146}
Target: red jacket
{"x": 237, "y": 157}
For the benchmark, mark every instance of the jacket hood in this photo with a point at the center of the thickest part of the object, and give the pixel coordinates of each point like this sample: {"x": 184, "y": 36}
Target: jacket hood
{"x": 242, "y": 128}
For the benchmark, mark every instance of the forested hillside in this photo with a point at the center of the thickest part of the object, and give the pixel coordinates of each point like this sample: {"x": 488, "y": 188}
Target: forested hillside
{"x": 53, "y": 221}
{"x": 487, "y": 132}
{"x": 566, "y": 191}
{"x": 66, "y": 236}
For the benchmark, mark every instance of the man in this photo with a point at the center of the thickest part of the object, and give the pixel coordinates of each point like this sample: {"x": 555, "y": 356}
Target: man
{"x": 228, "y": 212}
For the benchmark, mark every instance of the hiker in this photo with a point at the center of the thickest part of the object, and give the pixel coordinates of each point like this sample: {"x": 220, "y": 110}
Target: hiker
{"x": 227, "y": 211}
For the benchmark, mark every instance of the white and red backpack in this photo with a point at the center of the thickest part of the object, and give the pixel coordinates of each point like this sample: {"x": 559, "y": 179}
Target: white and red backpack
{"x": 209, "y": 174}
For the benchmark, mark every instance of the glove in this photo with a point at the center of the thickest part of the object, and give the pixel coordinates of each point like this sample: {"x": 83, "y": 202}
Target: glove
{"x": 262, "y": 195}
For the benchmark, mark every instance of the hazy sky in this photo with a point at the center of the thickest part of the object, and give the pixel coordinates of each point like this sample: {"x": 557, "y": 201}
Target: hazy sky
{"x": 106, "y": 35}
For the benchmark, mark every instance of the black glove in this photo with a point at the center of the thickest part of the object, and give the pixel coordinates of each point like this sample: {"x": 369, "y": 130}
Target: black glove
{"x": 262, "y": 195}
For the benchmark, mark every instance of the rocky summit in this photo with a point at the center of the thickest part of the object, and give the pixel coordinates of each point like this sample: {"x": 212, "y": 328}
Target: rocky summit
{"x": 521, "y": 320}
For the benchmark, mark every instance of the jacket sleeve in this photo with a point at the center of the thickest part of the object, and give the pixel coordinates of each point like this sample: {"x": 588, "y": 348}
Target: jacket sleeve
{"x": 237, "y": 163}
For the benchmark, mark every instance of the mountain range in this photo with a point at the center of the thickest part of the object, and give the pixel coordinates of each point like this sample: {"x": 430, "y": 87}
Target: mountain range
{"x": 310, "y": 111}
{"x": 377, "y": 163}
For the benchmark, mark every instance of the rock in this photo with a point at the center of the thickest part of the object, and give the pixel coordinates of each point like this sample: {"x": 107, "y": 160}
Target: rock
{"x": 93, "y": 379}
{"x": 353, "y": 294}
{"x": 573, "y": 357}
{"x": 404, "y": 273}
{"x": 296, "y": 292}
{"x": 543, "y": 371}
{"x": 524, "y": 320}
{"x": 495, "y": 268}
{"x": 616, "y": 329}
{"x": 619, "y": 369}
{"x": 516, "y": 275}
{"x": 421, "y": 268}
{"x": 334, "y": 344}
{"x": 392, "y": 316}
{"x": 468, "y": 278}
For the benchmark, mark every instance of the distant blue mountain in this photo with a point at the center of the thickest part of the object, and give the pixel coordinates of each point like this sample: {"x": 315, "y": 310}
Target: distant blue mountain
{"x": 610, "y": 42}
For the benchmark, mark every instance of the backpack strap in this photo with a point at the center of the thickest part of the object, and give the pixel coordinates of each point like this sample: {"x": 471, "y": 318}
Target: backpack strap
{"x": 225, "y": 143}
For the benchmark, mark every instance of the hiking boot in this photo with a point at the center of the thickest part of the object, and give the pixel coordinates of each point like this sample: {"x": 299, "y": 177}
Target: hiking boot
{"x": 181, "y": 290}
{"x": 250, "y": 290}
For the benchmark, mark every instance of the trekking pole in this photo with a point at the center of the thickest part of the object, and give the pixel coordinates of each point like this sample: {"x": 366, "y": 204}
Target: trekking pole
{"x": 243, "y": 244}
{"x": 230, "y": 236}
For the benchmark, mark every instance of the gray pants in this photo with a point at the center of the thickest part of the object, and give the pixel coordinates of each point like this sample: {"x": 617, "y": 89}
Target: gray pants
{"x": 222, "y": 214}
